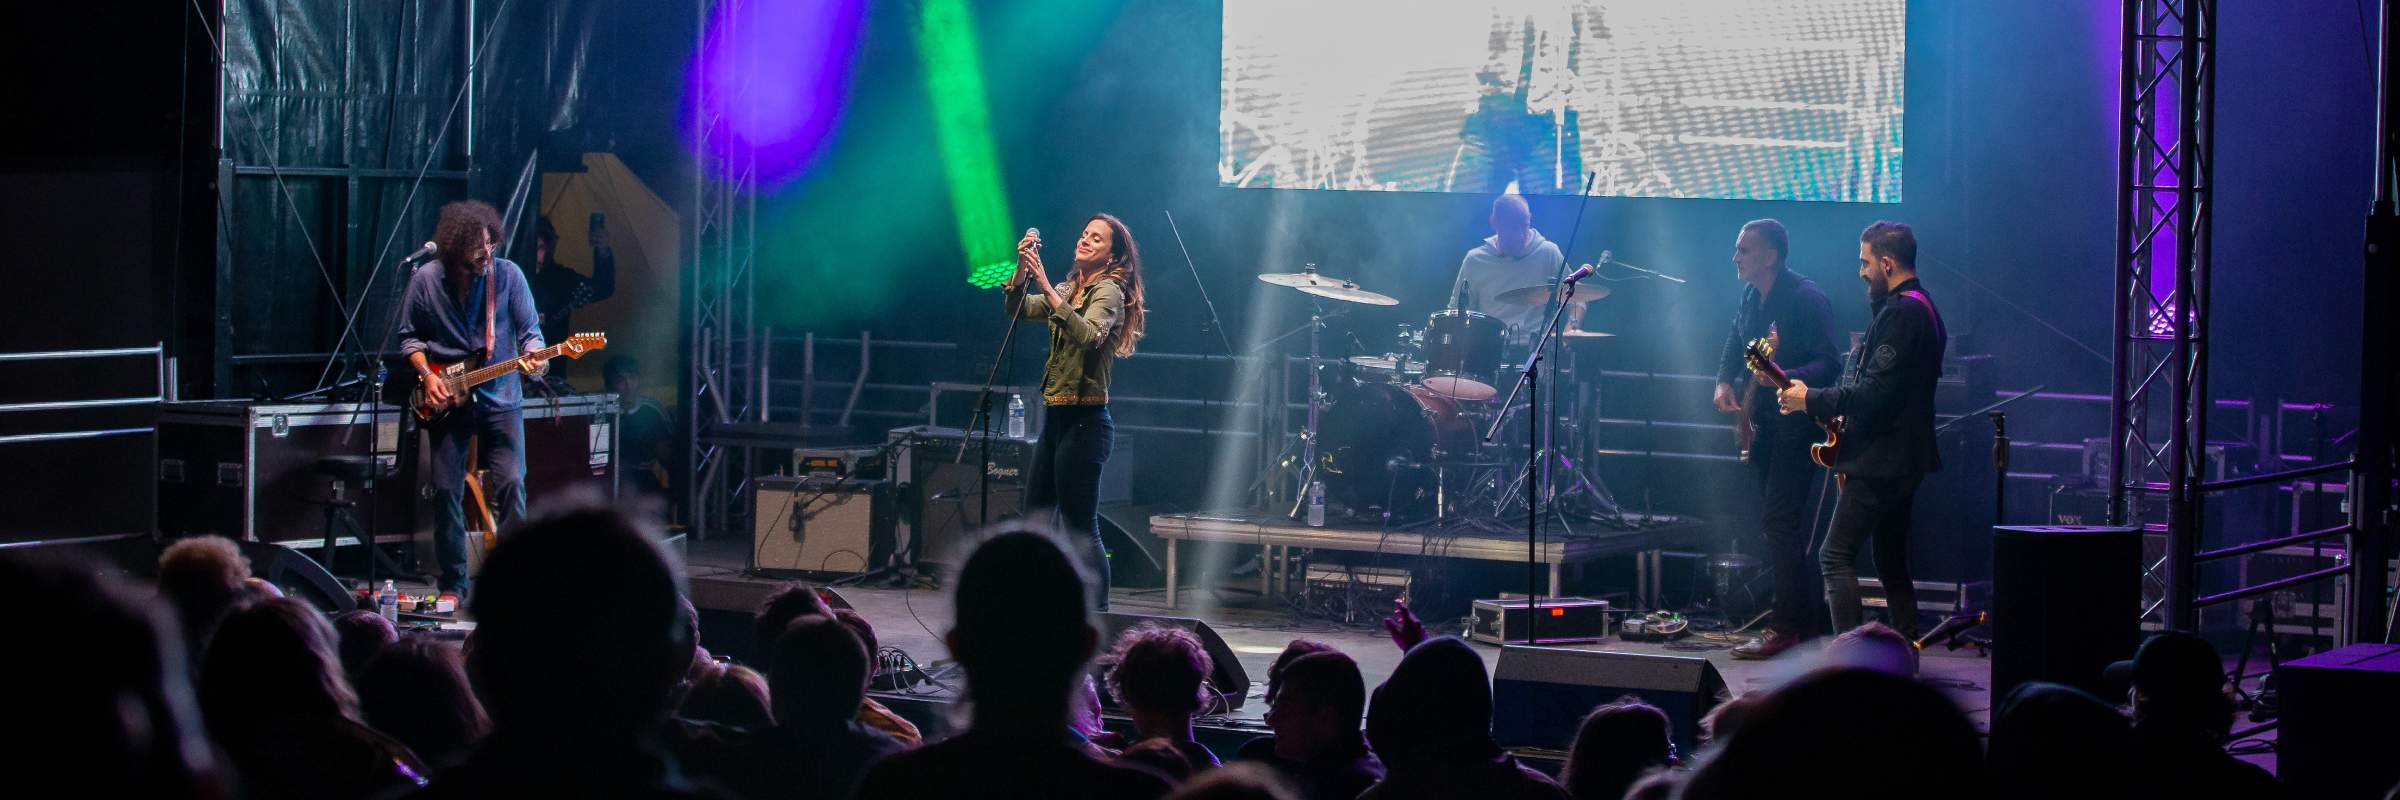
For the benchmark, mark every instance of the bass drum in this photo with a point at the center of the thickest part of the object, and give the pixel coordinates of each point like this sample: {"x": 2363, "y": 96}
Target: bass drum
{"x": 1377, "y": 444}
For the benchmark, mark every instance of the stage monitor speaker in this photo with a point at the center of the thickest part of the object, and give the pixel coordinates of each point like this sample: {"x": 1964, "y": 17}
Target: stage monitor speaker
{"x": 819, "y": 527}
{"x": 1541, "y": 694}
{"x": 1132, "y": 551}
{"x": 2337, "y": 738}
{"x": 1228, "y": 683}
{"x": 2066, "y": 601}
{"x": 298, "y": 576}
{"x": 943, "y": 499}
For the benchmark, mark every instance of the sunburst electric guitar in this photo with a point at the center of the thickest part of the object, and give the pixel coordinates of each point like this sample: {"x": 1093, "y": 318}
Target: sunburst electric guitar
{"x": 460, "y": 378}
{"x": 1761, "y": 356}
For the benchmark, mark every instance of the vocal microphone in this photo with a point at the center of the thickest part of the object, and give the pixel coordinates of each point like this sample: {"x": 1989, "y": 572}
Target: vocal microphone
{"x": 1580, "y": 273}
{"x": 421, "y": 254}
{"x": 1604, "y": 254}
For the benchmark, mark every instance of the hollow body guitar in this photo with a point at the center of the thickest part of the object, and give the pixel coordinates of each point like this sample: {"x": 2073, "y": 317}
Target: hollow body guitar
{"x": 1761, "y": 358}
{"x": 460, "y": 379}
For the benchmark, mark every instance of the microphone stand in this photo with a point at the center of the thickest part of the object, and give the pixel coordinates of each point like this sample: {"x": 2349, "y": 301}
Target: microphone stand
{"x": 1604, "y": 259}
{"x": 1213, "y": 320}
{"x": 983, "y": 417}
{"x": 1530, "y": 383}
{"x": 1208, "y": 420}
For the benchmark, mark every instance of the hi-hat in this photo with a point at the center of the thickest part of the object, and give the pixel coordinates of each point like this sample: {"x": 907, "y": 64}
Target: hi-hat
{"x": 1540, "y": 295}
{"x": 1334, "y": 288}
{"x": 1585, "y": 334}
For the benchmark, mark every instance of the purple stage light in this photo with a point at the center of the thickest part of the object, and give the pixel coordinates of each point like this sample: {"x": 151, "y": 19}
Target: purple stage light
{"x": 777, "y": 75}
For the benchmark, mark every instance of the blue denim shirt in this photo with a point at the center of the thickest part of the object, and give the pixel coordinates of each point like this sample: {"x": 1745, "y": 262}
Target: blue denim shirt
{"x": 433, "y": 322}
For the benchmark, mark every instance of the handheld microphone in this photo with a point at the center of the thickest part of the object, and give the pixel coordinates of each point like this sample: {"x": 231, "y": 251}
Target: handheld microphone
{"x": 1604, "y": 254}
{"x": 1580, "y": 273}
{"x": 421, "y": 254}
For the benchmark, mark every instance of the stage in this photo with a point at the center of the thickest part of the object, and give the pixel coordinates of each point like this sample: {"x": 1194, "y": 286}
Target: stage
{"x": 914, "y": 620}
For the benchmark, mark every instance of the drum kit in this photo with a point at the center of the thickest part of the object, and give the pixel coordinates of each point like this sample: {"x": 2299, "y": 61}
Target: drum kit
{"x": 1398, "y": 437}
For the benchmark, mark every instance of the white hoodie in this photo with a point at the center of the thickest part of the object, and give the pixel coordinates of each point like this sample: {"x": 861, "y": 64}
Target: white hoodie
{"x": 1487, "y": 272}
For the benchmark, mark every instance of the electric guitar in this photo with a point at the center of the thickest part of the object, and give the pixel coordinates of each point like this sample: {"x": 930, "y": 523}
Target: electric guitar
{"x": 460, "y": 379}
{"x": 1761, "y": 358}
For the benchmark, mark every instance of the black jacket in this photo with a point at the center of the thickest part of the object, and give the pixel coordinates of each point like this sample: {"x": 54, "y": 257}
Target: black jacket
{"x": 1889, "y": 427}
{"x": 1803, "y": 324}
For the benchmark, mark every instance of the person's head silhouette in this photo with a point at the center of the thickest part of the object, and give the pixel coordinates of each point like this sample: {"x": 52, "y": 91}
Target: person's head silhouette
{"x": 579, "y": 626}
{"x": 1023, "y": 630}
{"x": 819, "y": 675}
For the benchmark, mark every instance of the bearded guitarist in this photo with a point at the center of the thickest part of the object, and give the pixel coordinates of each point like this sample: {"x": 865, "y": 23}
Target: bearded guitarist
{"x": 1887, "y": 434}
{"x": 468, "y": 305}
{"x": 1780, "y": 301}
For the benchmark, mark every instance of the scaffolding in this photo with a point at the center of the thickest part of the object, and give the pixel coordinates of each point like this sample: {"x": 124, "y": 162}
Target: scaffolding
{"x": 723, "y": 386}
{"x": 2160, "y": 400}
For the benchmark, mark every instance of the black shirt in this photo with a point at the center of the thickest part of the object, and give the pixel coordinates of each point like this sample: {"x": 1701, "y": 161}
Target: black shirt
{"x": 1803, "y": 324}
{"x": 558, "y": 290}
{"x": 1888, "y": 430}
{"x": 1342, "y": 772}
{"x": 1005, "y": 764}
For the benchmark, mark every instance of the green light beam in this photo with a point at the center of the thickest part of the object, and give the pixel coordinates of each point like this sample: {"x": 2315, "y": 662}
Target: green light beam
{"x": 963, "y": 128}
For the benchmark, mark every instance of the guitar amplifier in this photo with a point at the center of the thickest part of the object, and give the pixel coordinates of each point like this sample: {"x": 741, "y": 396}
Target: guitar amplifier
{"x": 862, "y": 463}
{"x": 819, "y": 527}
{"x": 941, "y": 495}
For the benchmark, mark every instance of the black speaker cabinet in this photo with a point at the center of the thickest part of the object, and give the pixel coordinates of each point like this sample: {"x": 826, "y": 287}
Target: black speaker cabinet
{"x": 821, "y": 527}
{"x": 942, "y": 496}
{"x": 2066, "y": 601}
{"x": 2337, "y": 739}
{"x": 1540, "y": 694}
{"x": 1228, "y": 683}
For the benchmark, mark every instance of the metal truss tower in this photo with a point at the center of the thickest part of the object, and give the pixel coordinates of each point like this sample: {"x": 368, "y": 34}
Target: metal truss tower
{"x": 2158, "y": 416}
{"x": 723, "y": 388}
{"x": 2160, "y": 400}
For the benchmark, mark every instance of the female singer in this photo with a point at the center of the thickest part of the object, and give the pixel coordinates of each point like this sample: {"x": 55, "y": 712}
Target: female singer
{"x": 1094, "y": 317}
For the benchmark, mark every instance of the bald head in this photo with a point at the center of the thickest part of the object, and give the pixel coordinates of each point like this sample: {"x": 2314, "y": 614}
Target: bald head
{"x": 1511, "y": 220}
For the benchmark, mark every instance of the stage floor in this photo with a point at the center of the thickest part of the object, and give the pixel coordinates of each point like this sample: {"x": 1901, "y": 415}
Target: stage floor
{"x": 913, "y": 621}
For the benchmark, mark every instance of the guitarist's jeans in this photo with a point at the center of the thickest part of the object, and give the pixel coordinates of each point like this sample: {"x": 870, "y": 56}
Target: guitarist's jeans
{"x": 1877, "y": 508}
{"x": 1786, "y": 477}
{"x": 503, "y": 437}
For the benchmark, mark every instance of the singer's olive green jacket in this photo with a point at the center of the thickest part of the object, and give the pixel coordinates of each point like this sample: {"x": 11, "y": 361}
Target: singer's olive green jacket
{"x": 1083, "y": 339}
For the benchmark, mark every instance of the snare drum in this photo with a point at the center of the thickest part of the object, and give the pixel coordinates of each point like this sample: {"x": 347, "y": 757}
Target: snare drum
{"x": 1462, "y": 354}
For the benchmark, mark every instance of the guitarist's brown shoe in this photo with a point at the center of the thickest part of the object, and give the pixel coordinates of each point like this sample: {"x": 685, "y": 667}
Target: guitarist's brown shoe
{"x": 1766, "y": 647}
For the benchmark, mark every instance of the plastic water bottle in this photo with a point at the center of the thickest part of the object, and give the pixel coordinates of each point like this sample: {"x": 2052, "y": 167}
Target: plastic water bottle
{"x": 387, "y": 603}
{"x": 1316, "y": 504}
{"x": 1016, "y": 416}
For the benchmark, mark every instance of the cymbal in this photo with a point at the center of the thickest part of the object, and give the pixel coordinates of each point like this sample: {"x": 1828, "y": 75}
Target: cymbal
{"x": 1351, "y": 294}
{"x": 1540, "y": 295}
{"x": 1586, "y": 335}
{"x": 1334, "y": 288}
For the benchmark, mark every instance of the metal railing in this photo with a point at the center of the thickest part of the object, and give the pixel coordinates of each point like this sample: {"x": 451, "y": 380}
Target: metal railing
{"x": 156, "y": 352}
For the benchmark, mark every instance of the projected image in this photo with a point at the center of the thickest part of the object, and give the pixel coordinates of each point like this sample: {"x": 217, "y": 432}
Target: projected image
{"x": 1753, "y": 99}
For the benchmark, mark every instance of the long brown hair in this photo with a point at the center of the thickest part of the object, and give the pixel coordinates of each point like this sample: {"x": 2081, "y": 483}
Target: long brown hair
{"x": 1125, "y": 267}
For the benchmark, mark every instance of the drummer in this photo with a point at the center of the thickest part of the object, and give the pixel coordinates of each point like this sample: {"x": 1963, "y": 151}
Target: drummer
{"x": 1516, "y": 256}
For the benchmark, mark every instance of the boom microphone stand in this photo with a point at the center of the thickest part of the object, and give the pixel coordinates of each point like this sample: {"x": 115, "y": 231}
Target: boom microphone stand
{"x": 1530, "y": 383}
{"x": 983, "y": 410}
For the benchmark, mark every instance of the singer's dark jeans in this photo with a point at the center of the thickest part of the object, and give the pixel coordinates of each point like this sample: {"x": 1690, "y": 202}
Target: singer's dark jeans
{"x": 1065, "y": 479}
{"x": 1877, "y": 508}
{"x": 1786, "y": 478}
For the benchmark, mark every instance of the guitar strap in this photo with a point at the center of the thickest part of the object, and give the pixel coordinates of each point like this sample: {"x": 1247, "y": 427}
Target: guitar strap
{"x": 491, "y": 309}
{"x": 1938, "y": 327}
